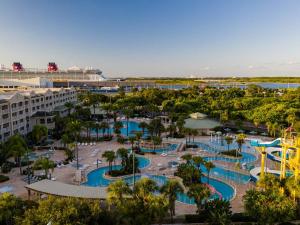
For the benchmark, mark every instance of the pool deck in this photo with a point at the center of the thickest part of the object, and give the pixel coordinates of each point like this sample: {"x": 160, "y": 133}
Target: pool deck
{"x": 159, "y": 166}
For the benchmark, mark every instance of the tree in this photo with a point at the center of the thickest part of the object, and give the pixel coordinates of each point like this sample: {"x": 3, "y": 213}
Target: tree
{"x": 209, "y": 166}
{"x": 267, "y": 207}
{"x": 110, "y": 157}
{"x": 138, "y": 136}
{"x": 60, "y": 211}
{"x": 116, "y": 192}
{"x": 123, "y": 153}
{"x": 219, "y": 212}
{"x": 187, "y": 157}
{"x": 11, "y": 207}
{"x": 16, "y": 147}
{"x": 69, "y": 106}
{"x": 45, "y": 164}
{"x": 104, "y": 126}
{"x": 131, "y": 140}
{"x": 240, "y": 140}
{"x": 198, "y": 160}
{"x": 143, "y": 126}
{"x": 38, "y": 133}
{"x": 118, "y": 125}
{"x": 200, "y": 193}
{"x": 170, "y": 190}
{"x": 156, "y": 141}
{"x": 127, "y": 112}
{"x": 229, "y": 141}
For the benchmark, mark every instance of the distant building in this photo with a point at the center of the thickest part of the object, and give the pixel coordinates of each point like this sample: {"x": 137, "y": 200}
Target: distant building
{"x": 21, "y": 109}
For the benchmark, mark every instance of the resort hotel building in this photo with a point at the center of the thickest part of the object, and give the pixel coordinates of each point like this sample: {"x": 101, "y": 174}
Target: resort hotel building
{"x": 23, "y": 107}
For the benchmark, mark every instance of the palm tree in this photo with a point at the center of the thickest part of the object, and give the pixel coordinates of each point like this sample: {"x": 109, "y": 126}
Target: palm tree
{"x": 127, "y": 112}
{"x": 229, "y": 141}
{"x": 170, "y": 190}
{"x": 143, "y": 188}
{"x": 209, "y": 166}
{"x": 187, "y": 157}
{"x": 156, "y": 141}
{"x": 123, "y": 153}
{"x": 198, "y": 160}
{"x": 110, "y": 157}
{"x": 38, "y": 133}
{"x": 131, "y": 140}
{"x": 45, "y": 164}
{"x": 116, "y": 192}
{"x": 200, "y": 193}
{"x": 240, "y": 140}
{"x": 69, "y": 106}
{"x": 143, "y": 126}
{"x": 118, "y": 125}
{"x": 16, "y": 147}
{"x": 104, "y": 126}
{"x": 138, "y": 136}
{"x": 74, "y": 127}
{"x": 97, "y": 127}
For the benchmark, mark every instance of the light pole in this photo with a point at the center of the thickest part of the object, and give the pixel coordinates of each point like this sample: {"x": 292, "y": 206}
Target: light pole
{"x": 133, "y": 166}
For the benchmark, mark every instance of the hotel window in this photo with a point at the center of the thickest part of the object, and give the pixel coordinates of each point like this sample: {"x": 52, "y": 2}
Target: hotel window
{"x": 42, "y": 121}
{"x": 5, "y": 116}
{"x": 4, "y": 107}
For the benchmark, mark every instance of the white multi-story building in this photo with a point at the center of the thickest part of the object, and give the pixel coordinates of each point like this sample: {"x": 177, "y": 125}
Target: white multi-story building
{"x": 21, "y": 109}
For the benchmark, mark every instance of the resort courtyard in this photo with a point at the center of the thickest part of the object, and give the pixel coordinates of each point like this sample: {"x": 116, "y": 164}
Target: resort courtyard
{"x": 229, "y": 179}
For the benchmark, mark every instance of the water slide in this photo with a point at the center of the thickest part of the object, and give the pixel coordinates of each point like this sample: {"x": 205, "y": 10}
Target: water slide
{"x": 257, "y": 143}
{"x": 269, "y": 145}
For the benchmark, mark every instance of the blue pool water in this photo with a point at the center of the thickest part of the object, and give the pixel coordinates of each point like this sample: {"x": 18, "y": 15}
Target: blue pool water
{"x": 133, "y": 127}
{"x": 95, "y": 178}
{"x": 246, "y": 158}
{"x": 170, "y": 147}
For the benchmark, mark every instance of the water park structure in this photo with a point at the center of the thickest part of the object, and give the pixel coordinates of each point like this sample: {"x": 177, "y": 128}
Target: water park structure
{"x": 289, "y": 152}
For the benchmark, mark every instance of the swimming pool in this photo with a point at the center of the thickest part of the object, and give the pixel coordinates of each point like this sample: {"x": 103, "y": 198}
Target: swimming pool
{"x": 133, "y": 127}
{"x": 246, "y": 158}
{"x": 170, "y": 147}
{"x": 96, "y": 178}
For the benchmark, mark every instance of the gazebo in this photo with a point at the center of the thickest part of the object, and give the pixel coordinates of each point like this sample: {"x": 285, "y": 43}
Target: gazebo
{"x": 201, "y": 122}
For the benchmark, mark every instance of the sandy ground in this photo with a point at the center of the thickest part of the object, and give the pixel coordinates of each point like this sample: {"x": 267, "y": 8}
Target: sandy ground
{"x": 67, "y": 173}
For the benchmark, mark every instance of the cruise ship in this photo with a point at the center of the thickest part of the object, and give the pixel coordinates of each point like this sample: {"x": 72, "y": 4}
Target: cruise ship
{"x": 52, "y": 73}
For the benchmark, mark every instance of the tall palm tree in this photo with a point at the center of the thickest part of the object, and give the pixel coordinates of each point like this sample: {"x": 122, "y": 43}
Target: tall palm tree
{"x": 118, "y": 125}
{"x": 110, "y": 157}
{"x": 229, "y": 141}
{"x": 16, "y": 147}
{"x": 198, "y": 160}
{"x": 170, "y": 189}
{"x": 45, "y": 164}
{"x": 123, "y": 153}
{"x": 131, "y": 140}
{"x": 138, "y": 136}
{"x": 240, "y": 140}
{"x": 104, "y": 126}
{"x": 200, "y": 193}
{"x": 39, "y": 132}
{"x": 209, "y": 166}
{"x": 127, "y": 112}
{"x": 74, "y": 127}
{"x": 97, "y": 127}
{"x": 69, "y": 106}
{"x": 143, "y": 126}
{"x": 143, "y": 188}
{"x": 156, "y": 141}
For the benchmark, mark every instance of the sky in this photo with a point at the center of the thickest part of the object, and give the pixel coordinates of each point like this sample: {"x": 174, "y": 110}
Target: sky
{"x": 174, "y": 38}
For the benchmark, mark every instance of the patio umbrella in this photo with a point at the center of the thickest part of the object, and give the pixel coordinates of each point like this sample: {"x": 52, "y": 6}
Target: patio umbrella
{"x": 253, "y": 132}
{"x": 227, "y": 129}
{"x": 240, "y": 131}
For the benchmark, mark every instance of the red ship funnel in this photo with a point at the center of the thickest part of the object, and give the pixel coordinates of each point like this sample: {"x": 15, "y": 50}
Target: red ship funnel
{"x": 52, "y": 67}
{"x": 17, "y": 67}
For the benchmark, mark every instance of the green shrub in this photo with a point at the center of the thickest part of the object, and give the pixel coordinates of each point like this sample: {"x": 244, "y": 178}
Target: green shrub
{"x": 232, "y": 153}
{"x": 6, "y": 167}
{"x": 3, "y": 178}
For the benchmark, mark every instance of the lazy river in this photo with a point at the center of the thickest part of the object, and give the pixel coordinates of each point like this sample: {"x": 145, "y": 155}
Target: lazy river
{"x": 96, "y": 178}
